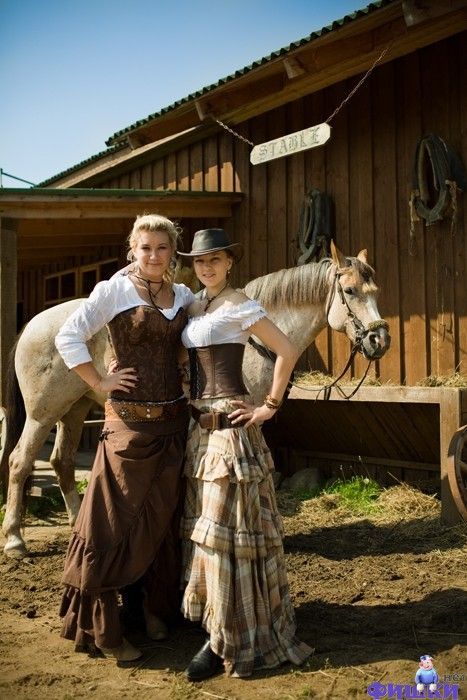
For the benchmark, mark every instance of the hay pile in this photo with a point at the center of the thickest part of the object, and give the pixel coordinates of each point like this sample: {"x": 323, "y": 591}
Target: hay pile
{"x": 454, "y": 380}
{"x": 321, "y": 379}
{"x": 416, "y": 513}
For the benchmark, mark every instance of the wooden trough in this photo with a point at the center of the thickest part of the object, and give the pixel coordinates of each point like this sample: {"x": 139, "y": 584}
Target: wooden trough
{"x": 389, "y": 432}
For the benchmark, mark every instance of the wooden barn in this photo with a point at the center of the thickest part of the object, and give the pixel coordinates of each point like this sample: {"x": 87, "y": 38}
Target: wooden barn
{"x": 60, "y": 238}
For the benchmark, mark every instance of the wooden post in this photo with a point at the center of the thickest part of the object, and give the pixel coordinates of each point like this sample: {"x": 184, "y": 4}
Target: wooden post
{"x": 8, "y": 281}
{"x": 450, "y": 420}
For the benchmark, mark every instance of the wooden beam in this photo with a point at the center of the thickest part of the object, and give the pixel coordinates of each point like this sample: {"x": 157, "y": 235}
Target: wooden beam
{"x": 49, "y": 255}
{"x": 418, "y": 11}
{"x": 293, "y": 67}
{"x": 67, "y": 243}
{"x": 134, "y": 141}
{"x": 111, "y": 204}
{"x": 379, "y": 461}
{"x": 204, "y": 110}
{"x": 449, "y": 422}
{"x": 72, "y": 227}
{"x": 8, "y": 296}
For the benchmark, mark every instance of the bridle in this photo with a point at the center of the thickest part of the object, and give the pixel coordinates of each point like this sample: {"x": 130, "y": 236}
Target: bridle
{"x": 359, "y": 329}
{"x": 360, "y": 334}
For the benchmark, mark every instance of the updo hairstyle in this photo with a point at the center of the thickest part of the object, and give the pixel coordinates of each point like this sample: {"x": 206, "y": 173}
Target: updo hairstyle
{"x": 154, "y": 222}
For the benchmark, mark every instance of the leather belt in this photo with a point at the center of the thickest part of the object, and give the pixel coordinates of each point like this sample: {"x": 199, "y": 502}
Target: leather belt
{"x": 135, "y": 412}
{"x": 213, "y": 420}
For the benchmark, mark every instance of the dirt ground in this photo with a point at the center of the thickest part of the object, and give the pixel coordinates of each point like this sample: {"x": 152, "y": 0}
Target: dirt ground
{"x": 371, "y": 594}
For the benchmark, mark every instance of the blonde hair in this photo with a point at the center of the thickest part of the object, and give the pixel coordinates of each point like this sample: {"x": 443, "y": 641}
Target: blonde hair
{"x": 154, "y": 222}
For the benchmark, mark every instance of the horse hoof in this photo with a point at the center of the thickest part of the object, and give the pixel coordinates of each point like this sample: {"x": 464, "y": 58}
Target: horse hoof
{"x": 15, "y": 548}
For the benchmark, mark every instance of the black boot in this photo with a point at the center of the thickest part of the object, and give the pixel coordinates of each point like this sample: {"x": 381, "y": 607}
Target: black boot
{"x": 204, "y": 664}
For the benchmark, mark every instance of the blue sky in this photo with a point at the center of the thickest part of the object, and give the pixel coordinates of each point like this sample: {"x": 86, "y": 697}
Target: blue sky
{"x": 73, "y": 72}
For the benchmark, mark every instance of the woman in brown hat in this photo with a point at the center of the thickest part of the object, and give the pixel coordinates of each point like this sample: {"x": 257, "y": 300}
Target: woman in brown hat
{"x": 126, "y": 534}
{"x": 234, "y": 568}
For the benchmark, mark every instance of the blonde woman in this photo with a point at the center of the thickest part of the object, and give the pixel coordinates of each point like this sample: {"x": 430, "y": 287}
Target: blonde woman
{"x": 127, "y": 529}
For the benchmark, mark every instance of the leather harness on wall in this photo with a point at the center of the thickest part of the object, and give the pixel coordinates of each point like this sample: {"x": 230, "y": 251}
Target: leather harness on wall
{"x": 314, "y": 234}
{"x": 437, "y": 170}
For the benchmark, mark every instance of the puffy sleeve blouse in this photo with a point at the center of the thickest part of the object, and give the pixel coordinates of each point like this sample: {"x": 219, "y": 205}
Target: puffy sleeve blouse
{"x": 227, "y": 324}
{"x": 107, "y": 299}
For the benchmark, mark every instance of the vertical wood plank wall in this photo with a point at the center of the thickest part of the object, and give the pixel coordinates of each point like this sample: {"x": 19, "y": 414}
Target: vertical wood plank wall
{"x": 367, "y": 169}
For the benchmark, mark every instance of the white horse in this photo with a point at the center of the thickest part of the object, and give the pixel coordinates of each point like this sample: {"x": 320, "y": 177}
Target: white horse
{"x": 301, "y": 301}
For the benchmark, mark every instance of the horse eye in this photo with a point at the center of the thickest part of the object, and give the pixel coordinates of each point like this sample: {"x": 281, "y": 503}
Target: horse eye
{"x": 349, "y": 291}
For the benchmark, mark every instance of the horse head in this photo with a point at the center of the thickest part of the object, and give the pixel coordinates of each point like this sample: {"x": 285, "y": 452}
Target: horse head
{"x": 351, "y": 304}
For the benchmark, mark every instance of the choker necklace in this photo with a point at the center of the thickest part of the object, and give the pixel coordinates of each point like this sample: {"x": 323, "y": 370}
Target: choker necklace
{"x": 152, "y": 295}
{"x": 211, "y": 299}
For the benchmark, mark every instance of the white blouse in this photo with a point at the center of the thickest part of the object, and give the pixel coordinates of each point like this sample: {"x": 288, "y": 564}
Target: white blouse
{"x": 227, "y": 324}
{"x": 107, "y": 299}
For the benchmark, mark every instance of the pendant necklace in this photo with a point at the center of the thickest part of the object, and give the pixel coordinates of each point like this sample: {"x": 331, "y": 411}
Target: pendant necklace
{"x": 152, "y": 295}
{"x": 211, "y": 299}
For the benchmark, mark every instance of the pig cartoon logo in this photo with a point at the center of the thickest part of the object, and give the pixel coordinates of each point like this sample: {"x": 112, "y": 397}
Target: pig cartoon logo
{"x": 426, "y": 674}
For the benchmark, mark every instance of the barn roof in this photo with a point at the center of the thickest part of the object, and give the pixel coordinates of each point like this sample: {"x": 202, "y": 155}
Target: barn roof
{"x": 345, "y": 48}
{"x": 117, "y": 137}
{"x": 117, "y": 140}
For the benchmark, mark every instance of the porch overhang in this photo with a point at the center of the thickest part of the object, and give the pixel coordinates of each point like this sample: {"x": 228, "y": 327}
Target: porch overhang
{"x": 82, "y": 204}
{"x": 53, "y": 223}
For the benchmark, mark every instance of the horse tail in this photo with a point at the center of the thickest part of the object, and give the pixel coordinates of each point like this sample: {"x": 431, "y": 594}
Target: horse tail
{"x": 15, "y": 417}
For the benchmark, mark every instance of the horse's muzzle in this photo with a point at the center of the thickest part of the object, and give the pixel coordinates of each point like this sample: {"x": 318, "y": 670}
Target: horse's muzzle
{"x": 376, "y": 342}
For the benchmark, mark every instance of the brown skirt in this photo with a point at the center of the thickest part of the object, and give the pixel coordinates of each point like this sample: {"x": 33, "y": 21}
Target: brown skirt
{"x": 126, "y": 530}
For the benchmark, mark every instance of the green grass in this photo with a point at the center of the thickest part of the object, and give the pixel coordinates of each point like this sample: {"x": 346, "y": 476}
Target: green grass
{"x": 38, "y": 506}
{"x": 42, "y": 506}
{"x": 357, "y": 493}
{"x": 81, "y": 486}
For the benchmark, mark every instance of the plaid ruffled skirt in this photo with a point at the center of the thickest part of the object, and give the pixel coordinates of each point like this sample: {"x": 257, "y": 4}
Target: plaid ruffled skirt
{"x": 234, "y": 568}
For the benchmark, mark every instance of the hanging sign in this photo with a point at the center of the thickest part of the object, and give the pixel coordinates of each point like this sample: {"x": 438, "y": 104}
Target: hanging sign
{"x": 291, "y": 143}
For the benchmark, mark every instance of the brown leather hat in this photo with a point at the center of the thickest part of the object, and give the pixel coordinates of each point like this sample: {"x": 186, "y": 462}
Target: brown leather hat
{"x": 209, "y": 240}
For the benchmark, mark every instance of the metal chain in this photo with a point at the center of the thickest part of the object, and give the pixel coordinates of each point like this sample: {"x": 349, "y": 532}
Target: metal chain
{"x": 327, "y": 121}
{"x": 360, "y": 83}
{"x": 231, "y": 131}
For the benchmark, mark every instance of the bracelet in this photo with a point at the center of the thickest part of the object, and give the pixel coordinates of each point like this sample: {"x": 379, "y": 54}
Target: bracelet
{"x": 272, "y": 403}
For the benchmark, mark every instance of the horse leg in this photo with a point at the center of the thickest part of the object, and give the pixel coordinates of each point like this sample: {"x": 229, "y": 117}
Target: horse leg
{"x": 69, "y": 429}
{"x": 21, "y": 465}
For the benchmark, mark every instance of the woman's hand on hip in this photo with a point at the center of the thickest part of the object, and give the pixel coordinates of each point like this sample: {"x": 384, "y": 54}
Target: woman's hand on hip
{"x": 246, "y": 414}
{"x": 120, "y": 380}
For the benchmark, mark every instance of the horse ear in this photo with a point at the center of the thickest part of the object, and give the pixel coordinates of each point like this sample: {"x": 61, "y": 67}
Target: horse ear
{"x": 363, "y": 256}
{"x": 337, "y": 256}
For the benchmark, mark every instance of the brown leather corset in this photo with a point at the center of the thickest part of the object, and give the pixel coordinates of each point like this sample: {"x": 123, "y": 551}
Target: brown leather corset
{"x": 216, "y": 371}
{"x": 143, "y": 338}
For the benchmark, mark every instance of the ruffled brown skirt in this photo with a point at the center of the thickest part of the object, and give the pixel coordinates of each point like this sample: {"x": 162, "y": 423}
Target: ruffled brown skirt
{"x": 126, "y": 530}
{"x": 234, "y": 565}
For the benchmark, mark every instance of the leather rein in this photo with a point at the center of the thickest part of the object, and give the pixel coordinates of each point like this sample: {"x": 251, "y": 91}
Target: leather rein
{"x": 360, "y": 334}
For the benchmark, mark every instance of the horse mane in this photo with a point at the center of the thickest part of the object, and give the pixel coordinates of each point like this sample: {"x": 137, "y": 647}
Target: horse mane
{"x": 294, "y": 286}
{"x": 304, "y": 284}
